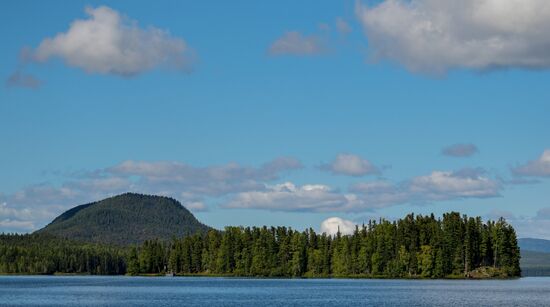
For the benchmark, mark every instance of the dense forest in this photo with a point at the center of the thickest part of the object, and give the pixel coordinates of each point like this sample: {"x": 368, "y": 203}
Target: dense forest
{"x": 413, "y": 247}
{"x": 45, "y": 254}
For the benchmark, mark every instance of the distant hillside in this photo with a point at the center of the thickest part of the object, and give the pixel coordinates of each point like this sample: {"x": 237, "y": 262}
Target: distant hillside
{"x": 535, "y": 257}
{"x": 125, "y": 219}
{"x": 535, "y": 245}
{"x": 535, "y": 263}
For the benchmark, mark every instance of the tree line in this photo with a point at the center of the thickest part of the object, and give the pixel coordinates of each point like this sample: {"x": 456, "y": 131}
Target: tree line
{"x": 46, "y": 254}
{"x": 412, "y": 247}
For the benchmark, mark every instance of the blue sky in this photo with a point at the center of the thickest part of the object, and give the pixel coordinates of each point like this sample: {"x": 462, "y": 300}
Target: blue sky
{"x": 278, "y": 113}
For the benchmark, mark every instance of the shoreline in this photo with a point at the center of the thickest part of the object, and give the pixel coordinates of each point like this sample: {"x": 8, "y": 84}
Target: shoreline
{"x": 267, "y": 277}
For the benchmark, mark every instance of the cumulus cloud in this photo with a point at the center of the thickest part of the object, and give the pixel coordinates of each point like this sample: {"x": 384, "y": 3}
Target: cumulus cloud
{"x": 460, "y": 150}
{"x": 110, "y": 43}
{"x": 434, "y": 36}
{"x": 8, "y": 213}
{"x": 295, "y": 43}
{"x": 42, "y": 194}
{"x": 16, "y": 216}
{"x": 332, "y": 225}
{"x": 368, "y": 196}
{"x": 210, "y": 181}
{"x": 535, "y": 168}
{"x": 14, "y": 226}
{"x": 289, "y": 197}
{"x": 38, "y": 204}
{"x": 351, "y": 165}
{"x": 196, "y": 206}
{"x": 444, "y": 185}
{"x": 21, "y": 79}
{"x": 437, "y": 186}
{"x": 532, "y": 228}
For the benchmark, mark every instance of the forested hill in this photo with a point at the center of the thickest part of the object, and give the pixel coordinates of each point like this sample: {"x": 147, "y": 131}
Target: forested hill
{"x": 125, "y": 219}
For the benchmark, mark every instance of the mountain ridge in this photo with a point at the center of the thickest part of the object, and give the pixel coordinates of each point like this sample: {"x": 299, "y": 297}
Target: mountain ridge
{"x": 534, "y": 245}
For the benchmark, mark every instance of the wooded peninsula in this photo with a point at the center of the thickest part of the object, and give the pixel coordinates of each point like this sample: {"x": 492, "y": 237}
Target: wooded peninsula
{"x": 454, "y": 246}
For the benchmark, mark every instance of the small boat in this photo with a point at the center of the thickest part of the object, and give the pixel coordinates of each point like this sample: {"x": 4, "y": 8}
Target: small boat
{"x": 170, "y": 274}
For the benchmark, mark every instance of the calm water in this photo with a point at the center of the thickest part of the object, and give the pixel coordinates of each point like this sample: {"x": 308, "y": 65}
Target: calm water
{"x": 178, "y": 291}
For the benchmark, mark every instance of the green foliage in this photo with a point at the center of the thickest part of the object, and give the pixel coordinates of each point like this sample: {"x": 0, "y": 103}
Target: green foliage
{"x": 125, "y": 220}
{"x": 426, "y": 262}
{"x": 45, "y": 254}
{"x": 413, "y": 247}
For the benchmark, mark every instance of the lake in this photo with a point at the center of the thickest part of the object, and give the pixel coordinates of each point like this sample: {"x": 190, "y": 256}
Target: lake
{"x": 204, "y": 291}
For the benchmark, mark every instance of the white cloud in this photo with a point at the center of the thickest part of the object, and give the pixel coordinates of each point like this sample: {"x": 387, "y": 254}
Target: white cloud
{"x": 295, "y": 43}
{"x": 535, "y": 168}
{"x": 434, "y": 36}
{"x": 460, "y": 150}
{"x": 13, "y": 213}
{"x": 532, "y": 228}
{"x": 43, "y": 194}
{"x": 444, "y": 185}
{"x": 368, "y": 196}
{"x": 289, "y": 197}
{"x": 211, "y": 180}
{"x": 332, "y": 225}
{"x": 437, "y": 186}
{"x": 537, "y": 226}
{"x": 351, "y": 165}
{"x": 14, "y": 226}
{"x": 109, "y": 43}
{"x": 17, "y": 218}
{"x": 196, "y": 206}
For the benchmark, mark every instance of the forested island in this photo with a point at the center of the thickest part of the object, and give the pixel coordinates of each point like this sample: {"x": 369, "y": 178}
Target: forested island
{"x": 454, "y": 246}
